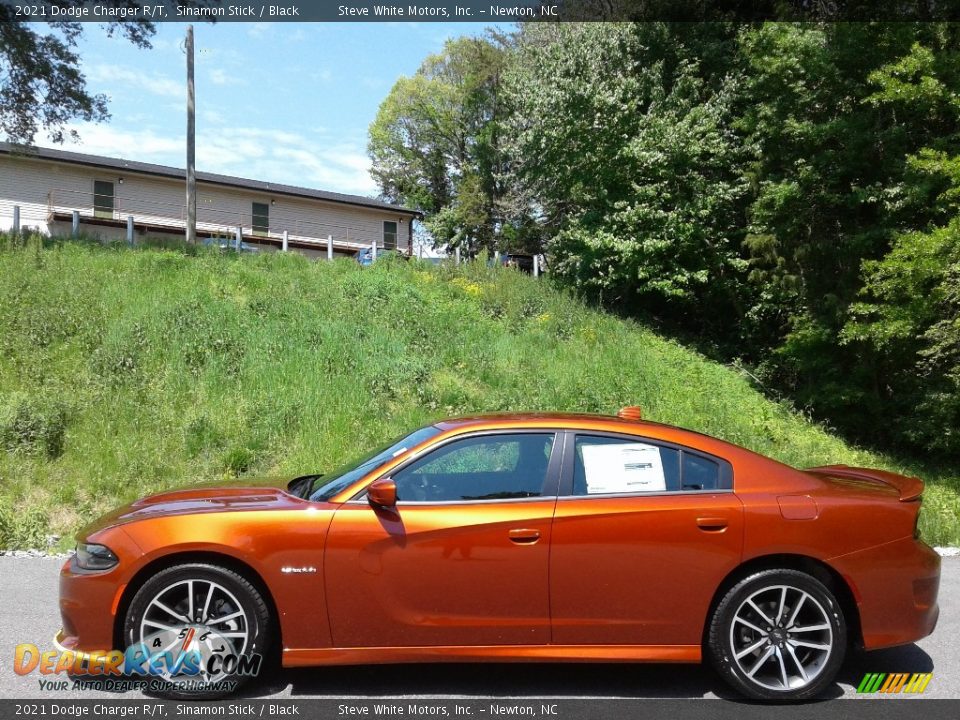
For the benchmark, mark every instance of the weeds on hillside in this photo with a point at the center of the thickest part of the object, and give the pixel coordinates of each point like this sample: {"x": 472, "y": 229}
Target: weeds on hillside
{"x": 123, "y": 372}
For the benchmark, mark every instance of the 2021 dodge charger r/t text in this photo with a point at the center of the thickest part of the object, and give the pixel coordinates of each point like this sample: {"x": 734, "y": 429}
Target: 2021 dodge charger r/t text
{"x": 536, "y": 537}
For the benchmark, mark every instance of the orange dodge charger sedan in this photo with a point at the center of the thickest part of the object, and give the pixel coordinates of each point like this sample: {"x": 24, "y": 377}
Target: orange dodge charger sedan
{"x": 517, "y": 537}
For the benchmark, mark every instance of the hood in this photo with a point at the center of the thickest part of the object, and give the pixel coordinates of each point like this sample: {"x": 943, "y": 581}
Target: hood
{"x": 241, "y": 495}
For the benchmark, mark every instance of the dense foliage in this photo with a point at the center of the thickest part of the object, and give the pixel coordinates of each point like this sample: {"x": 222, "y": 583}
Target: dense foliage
{"x": 785, "y": 194}
{"x": 41, "y": 85}
{"x": 206, "y": 366}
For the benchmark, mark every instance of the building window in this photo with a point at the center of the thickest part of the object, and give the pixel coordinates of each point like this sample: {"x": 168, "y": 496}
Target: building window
{"x": 102, "y": 199}
{"x": 261, "y": 218}
{"x": 389, "y": 235}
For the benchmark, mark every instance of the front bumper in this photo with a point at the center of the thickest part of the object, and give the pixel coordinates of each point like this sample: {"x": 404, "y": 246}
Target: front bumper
{"x": 88, "y": 609}
{"x": 895, "y": 586}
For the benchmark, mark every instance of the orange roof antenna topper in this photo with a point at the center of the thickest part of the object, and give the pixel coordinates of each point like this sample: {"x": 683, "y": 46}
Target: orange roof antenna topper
{"x": 630, "y": 412}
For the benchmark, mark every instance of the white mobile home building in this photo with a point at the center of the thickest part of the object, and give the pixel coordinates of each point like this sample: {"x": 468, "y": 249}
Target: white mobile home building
{"x": 51, "y": 187}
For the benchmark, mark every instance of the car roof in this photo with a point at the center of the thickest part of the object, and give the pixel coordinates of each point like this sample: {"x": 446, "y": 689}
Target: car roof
{"x": 597, "y": 422}
{"x": 569, "y": 420}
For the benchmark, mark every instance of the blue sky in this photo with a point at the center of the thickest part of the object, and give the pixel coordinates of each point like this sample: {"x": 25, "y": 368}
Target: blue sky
{"x": 282, "y": 102}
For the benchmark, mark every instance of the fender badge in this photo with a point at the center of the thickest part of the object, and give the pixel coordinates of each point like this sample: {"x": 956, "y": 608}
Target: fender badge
{"x": 297, "y": 570}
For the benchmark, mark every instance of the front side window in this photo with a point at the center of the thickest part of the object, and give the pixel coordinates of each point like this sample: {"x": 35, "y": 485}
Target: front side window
{"x": 261, "y": 218}
{"x": 389, "y": 235}
{"x": 102, "y": 198}
{"x": 609, "y": 465}
{"x": 326, "y": 486}
{"x": 489, "y": 467}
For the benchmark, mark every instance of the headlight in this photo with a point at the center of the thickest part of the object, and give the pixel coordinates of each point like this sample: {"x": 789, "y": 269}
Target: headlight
{"x": 95, "y": 557}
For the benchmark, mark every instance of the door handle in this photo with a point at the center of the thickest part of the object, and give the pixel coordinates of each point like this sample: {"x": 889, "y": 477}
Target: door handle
{"x": 524, "y": 536}
{"x": 712, "y": 524}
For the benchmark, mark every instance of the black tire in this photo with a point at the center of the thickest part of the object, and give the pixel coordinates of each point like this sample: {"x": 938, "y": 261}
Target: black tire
{"x": 257, "y": 622}
{"x": 737, "y": 626}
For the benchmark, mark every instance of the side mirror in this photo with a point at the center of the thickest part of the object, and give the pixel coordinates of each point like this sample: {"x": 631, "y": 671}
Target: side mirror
{"x": 383, "y": 493}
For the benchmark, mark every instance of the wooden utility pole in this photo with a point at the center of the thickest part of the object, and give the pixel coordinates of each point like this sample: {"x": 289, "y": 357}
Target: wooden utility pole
{"x": 191, "y": 144}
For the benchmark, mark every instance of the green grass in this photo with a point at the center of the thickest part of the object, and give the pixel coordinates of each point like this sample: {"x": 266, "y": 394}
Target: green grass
{"x": 124, "y": 372}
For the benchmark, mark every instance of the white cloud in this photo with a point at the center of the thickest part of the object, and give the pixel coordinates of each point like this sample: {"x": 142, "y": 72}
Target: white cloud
{"x": 218, "y": 76}
{"x": 323, "y": 75}
{"x": 214, "y": 117}
{"x": 164, "y": 44}
{"x": 143, "y": 145}
{"x": 279, "y": 156}
{"x": 288, "y": 158}
{"x": 117, "y": 76}
{"x": 258, "y": 30}
{"x": 374, "y": 83}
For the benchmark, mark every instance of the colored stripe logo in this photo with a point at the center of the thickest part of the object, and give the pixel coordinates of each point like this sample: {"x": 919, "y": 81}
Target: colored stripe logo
{"x": 894, "y": 683}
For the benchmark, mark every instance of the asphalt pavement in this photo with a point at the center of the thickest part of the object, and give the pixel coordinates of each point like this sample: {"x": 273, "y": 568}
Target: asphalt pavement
{"x": 28, "y": 614}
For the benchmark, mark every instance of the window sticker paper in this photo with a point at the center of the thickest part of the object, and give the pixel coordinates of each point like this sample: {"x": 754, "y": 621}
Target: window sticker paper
{"x": 623, "y": 468}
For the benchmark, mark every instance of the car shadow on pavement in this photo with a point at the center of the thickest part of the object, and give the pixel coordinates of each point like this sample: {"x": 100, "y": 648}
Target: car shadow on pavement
{"x": 571, "y": 680}
{"x": 564, "y": 680}
{"x": 538, "y": 680}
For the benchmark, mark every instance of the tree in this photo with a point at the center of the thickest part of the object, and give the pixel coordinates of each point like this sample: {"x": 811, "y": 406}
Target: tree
{"x": 630, "y": 154}
{"x": 782, "y": 193}
{"x": 435, "y": 142}
{"x": 41, "y": 86}
{"x": 833, "y": 127}
{"x": 910, "y": 315}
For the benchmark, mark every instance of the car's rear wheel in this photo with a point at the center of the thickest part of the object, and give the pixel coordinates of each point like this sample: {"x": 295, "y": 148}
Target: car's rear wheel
{"x": 200, "y": 627}
{"x": 778, "y": 635}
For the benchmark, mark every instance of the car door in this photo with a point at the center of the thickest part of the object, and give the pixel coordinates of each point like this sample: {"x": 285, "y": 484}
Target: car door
{"x": 463, "y": 557}
{"x": 643, "y": 535}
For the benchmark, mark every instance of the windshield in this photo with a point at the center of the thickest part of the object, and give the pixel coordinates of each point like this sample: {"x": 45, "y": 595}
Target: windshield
{"x": 329, "y": 485}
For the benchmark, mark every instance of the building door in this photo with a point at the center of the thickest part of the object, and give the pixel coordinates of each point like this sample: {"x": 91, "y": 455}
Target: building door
{"x": 261, "y": 218}
{"x": 103, "y": 199}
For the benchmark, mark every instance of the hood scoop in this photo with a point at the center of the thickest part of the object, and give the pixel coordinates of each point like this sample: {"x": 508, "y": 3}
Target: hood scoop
{"x": 215, "y": 495}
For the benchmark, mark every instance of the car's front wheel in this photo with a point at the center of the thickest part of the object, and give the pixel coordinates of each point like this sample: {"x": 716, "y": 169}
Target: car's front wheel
{"x": 778, "y": 635}
{"x": 201, "y": 630}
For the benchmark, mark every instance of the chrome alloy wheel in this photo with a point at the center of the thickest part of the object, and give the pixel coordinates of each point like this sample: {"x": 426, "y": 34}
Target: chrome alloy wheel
{"x": 195, "y": 616}
{"x": 781, "y": 637}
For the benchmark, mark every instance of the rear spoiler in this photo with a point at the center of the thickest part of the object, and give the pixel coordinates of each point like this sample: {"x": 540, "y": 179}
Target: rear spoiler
{"x": 910, "y": 488}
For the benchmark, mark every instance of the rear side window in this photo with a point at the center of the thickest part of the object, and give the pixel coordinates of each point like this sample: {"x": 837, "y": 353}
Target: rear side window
{"x": 699, "y": 473}
{"x": 611, "y": 465}
{"x": 606, "y": 465}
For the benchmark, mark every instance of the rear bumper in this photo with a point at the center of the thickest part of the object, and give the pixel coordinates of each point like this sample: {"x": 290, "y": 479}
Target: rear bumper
{"x": 895, "y": 586}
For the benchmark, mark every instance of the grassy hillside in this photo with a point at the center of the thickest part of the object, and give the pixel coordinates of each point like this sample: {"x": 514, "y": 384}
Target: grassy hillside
{"x": 124, "y": 372}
